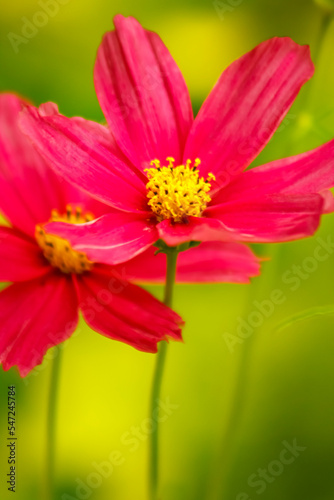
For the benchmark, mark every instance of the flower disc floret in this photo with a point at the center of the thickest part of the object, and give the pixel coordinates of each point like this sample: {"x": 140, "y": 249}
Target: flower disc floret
{"x": 57, "y": 250}
{"x": 177, "y": 192}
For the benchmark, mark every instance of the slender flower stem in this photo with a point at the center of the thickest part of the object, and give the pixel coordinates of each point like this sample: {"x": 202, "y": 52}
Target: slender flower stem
{"x": 170, "y": 276}
{"x": 241, "y": 385}
{"x": 51, "y": 428}
{"x": 317, "y": 48}
{"x": 157, "y": 379}
{"x": 240, "y": 392}
{"x": 325, "y": 22}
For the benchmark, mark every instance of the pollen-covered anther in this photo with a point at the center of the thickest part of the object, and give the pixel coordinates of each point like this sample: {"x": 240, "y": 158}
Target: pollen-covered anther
{"x": 72, "y": 215}
{"x": 57, "y": 250}
{"x": 177, "y": 192}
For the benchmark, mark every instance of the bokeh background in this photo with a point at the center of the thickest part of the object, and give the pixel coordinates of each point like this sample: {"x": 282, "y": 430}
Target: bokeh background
{"x": 235, "y": 401}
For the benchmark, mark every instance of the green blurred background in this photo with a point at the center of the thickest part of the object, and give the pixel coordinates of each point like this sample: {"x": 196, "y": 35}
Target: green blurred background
{"x": 233, "y": 406}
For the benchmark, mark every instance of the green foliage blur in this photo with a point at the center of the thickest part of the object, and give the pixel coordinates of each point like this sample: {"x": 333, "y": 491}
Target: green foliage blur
{"x": 241, "y": 391}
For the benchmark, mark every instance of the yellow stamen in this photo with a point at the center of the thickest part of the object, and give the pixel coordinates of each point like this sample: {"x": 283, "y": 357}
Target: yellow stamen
{"x": 177, "y": 192}
{"x": 57, "y": 250}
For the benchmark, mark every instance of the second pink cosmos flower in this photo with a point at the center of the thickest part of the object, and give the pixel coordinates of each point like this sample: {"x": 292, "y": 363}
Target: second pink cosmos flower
{"x": 51, "y": 283}
{"x": 178, "y": 179}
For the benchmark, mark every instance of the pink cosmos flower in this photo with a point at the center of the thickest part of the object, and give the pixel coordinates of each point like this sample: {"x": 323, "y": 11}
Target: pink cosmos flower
{"x": 40, "y": 309}
{"x": 51, "y": 281}
{"x": 176, "y": 178}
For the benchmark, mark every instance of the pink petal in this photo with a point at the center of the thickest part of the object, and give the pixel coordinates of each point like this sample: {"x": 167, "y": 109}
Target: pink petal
{"x": 246, "y": 106}
{"x": 111, "y": 239}
{"x": 307, "y": 173}
{"x": 87, "y": 156}
{"x": 195, "y": 229}
{"x": 328, "y": 206}
{"x": 122, "y": 311}
{"x": 35, "y": 316}
{"x": 48, "y": 108}
{"x": 142, "y": 93}
{"x": 20, "y": 259}
{"x": 29, "y": 189}
{"x": 272, "y": 218}
{"x": 210, "y": 262}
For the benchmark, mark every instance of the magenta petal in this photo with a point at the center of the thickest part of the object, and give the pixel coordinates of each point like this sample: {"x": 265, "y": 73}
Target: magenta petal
{"x": 125, "y": 312}
{"x": 48, "y": 108}
{"x": 113, "y": 238}
{"x": 196, "y": 229}
{"x": 85, "y": 154}
{"x": 29, "y": 189}
{"x": 246, "y": 106}
{"x": 35, "y": 316}
{"x": 273, "y": 218}
{"x": 210, "y": 262}
{"x": 307, "y": 173}
{"x": 20, "y": 259}
{"x": 328, "y": 206}
{"x": 142, "y": 93}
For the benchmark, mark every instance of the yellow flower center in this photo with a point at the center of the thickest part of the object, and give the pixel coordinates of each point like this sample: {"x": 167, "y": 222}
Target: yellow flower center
{"x": 58, "y": 251}
{"x": 177, "y": 192}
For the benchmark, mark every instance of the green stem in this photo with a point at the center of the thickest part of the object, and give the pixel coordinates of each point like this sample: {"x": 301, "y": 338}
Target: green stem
{"x": 324, "y": 24}
{"x": 241, "y": 383}
{"x": 235, "y": 414}
{"x": 157, "y": 379}
{"x": 51, "y": 427}
{"x": 170, "y": 276}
